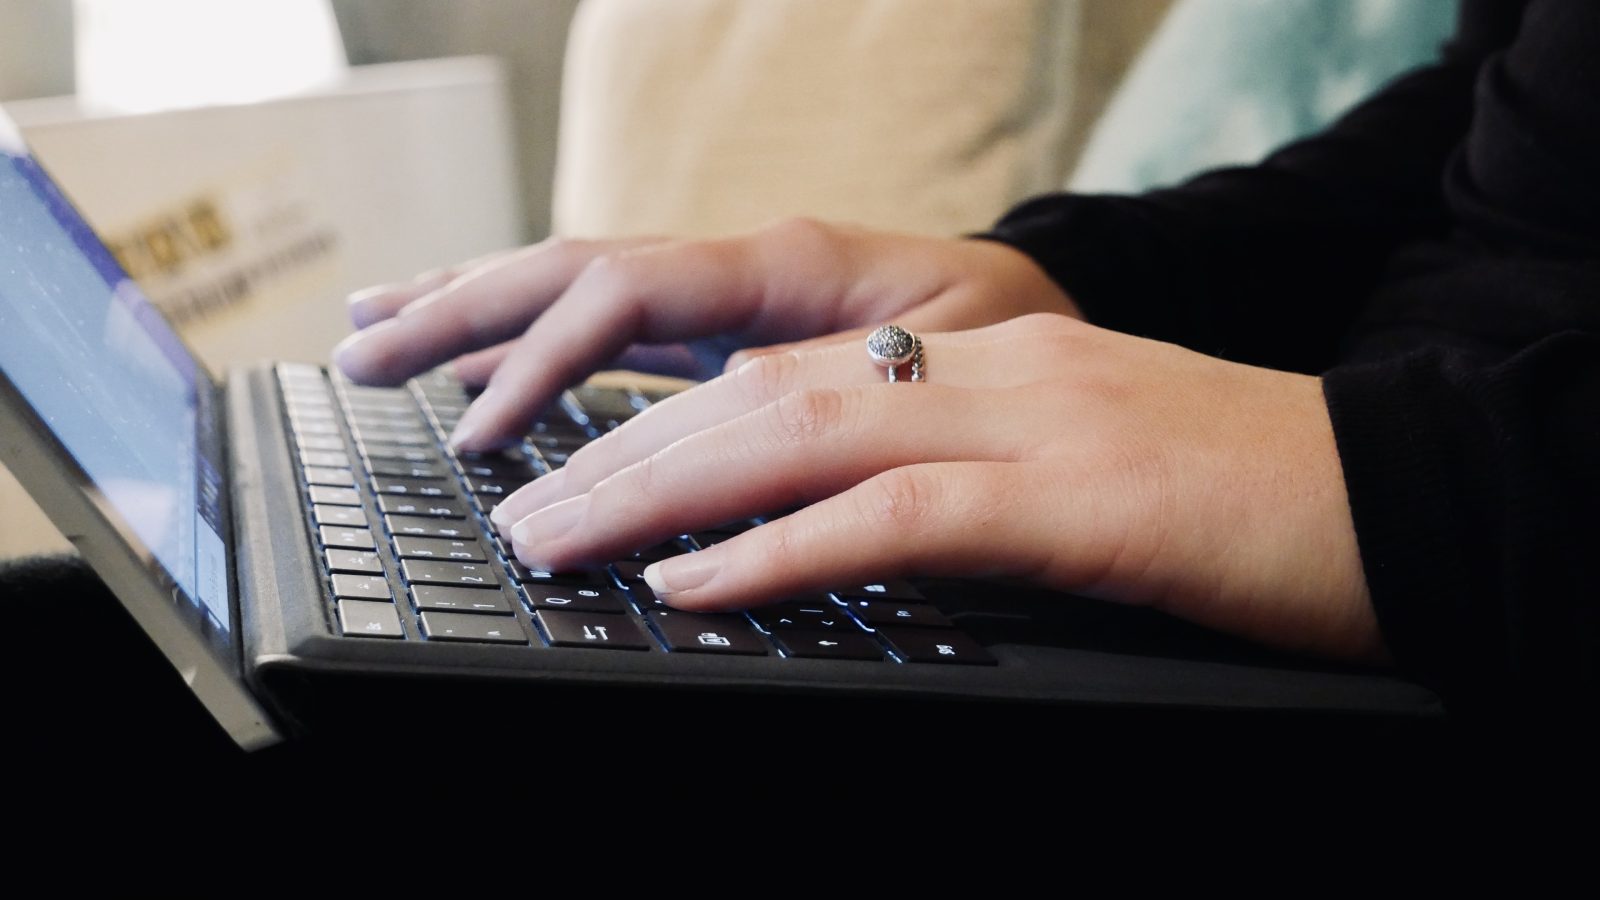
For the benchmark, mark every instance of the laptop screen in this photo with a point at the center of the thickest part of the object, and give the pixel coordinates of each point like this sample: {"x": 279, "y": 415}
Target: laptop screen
{"x": 111, "y": 380}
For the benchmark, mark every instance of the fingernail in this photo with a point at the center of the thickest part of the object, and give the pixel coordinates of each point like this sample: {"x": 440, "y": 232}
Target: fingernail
{"x": 366, "y": 294}
{"x": 467, "y": 430}
{"x": 347, "y": 354}
{"x": 549, "y": 524}
{"x": 530, "y": 499}
{"x": 682, "y": 573}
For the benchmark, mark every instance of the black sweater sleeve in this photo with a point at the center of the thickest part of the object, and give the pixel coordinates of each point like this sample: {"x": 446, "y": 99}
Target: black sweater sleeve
{"x": 1443, "y": 245}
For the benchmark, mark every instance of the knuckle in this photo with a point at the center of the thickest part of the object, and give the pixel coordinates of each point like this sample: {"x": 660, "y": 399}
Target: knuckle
{"x": 904, "y": 499}
{"x": 610, "y": 273}
{"x": 804, "y": 416}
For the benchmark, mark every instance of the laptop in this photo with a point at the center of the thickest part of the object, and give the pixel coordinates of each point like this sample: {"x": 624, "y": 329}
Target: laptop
{"x": 303, "y": 549}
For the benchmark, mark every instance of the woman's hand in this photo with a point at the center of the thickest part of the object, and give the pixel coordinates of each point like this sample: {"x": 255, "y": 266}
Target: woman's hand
{"x": 1043, "y": 448}
{"x": 531, "y": 322}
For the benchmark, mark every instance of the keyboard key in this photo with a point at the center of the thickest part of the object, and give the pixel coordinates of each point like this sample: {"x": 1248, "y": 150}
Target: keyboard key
{"x": 659, "y": 552}
{"x": 305, "y": 426}
{"x": 580, "y": 629}
{"x": 369, "y": 618}
{"x": 936, "y": 645}
{"x": 887, "y": 612}
{"x": 348, "y": 516}
{"x": 580, "y": 599}
{"x": 523, "y": 575}
{"x": 334, "y": 496}
{"x": 436, "y": 528}
{"x": 432, "y": 597}
{"x": 446, "y": 626}
{"x": 426, "y": 571}
{"x": 319, "y": 442}
{"x": 362, "y": 587}
{"x": 685, "y": 632}
{"x": 412, "y": 487}
{"x": 629, "y": 572}
{"x": 353, "y": 561}
{"x": 403, "y": 469}
{"x": 393, "y": 438}
{"x": 346, "y": 538}
{"x": 391, "y": 451}
{"x": 325, "y": 458}
{"x": 420, "y": 506}
{"x": 330, "y": 477}
{"x": 435, "y": 548}
{"x": 885, "y": 590}
{"x": 828, "y": 645}
{"x": 498, "y": 487}
{"x": 824, "y": 615}
{"x": 645, "y": 598}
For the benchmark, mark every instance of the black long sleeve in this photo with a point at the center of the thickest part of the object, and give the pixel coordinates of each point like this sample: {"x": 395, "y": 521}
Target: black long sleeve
{"x": 1436, "y": 256}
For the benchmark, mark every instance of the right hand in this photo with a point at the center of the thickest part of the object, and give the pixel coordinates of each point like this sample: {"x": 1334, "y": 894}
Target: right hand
{"x": 577, "y": 304}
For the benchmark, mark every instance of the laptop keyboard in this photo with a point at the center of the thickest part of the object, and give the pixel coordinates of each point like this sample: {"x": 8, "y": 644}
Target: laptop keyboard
{"x": 400, "y": 523}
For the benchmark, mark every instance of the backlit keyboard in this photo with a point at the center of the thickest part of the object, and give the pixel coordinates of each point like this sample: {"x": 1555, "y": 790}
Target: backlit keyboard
{"x": 400, "y": 523}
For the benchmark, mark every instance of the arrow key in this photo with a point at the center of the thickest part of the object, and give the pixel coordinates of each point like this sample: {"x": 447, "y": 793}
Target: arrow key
{"x": 828, "y": 645}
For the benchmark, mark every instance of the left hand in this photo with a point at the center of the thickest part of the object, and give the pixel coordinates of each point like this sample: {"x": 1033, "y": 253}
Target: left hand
{"x": 1075, "y": 457}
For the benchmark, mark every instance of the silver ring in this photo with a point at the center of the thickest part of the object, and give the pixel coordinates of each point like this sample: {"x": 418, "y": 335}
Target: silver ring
{"x": 891, "y": 346}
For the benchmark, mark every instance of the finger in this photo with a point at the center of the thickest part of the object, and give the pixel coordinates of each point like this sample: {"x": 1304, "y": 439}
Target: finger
{"x": 475, "y": 369}
{"x": 809, "y": 445}
{"x": 658, "y": 294}
{"x": 375, "y": 304}
{"x": 740, "y": 357}
{"x": 997, "y": 357}
{"x": 483, "y": 307}
{"x": 951, "y": 518}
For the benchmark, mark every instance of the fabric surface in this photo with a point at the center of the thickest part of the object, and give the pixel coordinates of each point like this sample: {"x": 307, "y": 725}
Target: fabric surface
{"x": 701, "y": 117}
{"x": 1436, "y": 255}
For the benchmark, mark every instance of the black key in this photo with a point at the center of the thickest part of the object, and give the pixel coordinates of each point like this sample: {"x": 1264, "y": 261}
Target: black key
{"x": 685, "y": 632}
{"x": 354, "y": 561}
{"x": 936, "y": 645}
{"x": 362, "y": 587}
{"x": 325, "y": 459}
{"x": 335, "y": 496}
{"x": 828, "y": 645}
{"x": 447, "y": 626}
{"x": 659, "y": 552}
{"x": 419, "y": 527}
{"x": 495, "y": 486}
{"x": 524, "y": 575}
{"x": 499, "y": 471}
{"x": 434, "y": 548}
{"x": 432, "y": 597}
{"x": 887, "y": 612}
{"x": 420, "y": 506}
{"x": 629, "y": 572}
{"x": 428, "y": 571}
{"x": 403, "y": 469}
{"x": 883, "y": 590}
{"x": 645, "y": 598}
{"x": 579, "y": 629}
{"x": 574, "y": 597}
{"x": 369, "y": 618}
{"x": 392, "y": 451}
{"x": 412, "y": 487}
{"x": 348, "y": 516}
{"x": 329, "y": 477}
{"x": 319, "y": 442}
{"x": 820, "y": 616}
{"x": 346, "y": 538}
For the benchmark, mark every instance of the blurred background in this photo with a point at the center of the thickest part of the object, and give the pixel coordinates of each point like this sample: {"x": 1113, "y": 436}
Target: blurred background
{"x": 253, "y": 161}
